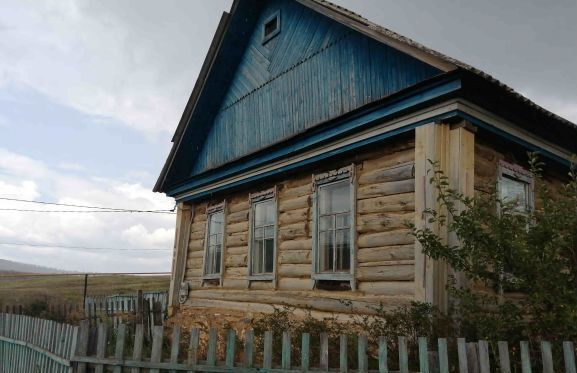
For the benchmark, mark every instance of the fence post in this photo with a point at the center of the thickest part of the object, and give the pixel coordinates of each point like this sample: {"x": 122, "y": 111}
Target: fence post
{"x": 138, "y": 341}
{"x": 305, "y": 351}
{"x": 119, "y": 348}
{"x": 175, "y": 346}
{"x": 101, "y": 345}
{"x": 324, "y": 352}
{"x": 267, "y": 354}
{"x": 156, "y": 352}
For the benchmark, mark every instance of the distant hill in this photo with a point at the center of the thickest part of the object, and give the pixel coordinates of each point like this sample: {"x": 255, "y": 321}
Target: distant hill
{"x": 8, "y": 266}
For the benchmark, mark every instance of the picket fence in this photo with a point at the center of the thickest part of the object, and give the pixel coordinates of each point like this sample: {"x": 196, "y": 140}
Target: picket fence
{"x": 35, "y": 345}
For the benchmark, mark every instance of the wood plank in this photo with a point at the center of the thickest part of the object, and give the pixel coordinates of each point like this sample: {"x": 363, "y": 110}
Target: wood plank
{"x": 387, "y": 288}
{"x": 384, "y": 253}
{"x": 569, "y": 357}
{"x": 443, "y": 355}
{"x": 484, "y": 362}
{"x": 248, "y": 348}
{"x": 343, "y": 353}
{"x": 193, "y": 347}
{"x": 119, "y": 348}
{"x": 363, "y": 362}
{"x": 297, "y": 244}
{"x": 386, "y": 175}
{"x": 175, "y": 346}
{"x": 403, "y": 355}
{"x": 472, "y": 357}
{"x": 462, "y": 355}
{"x": 294, "y": 203}
{"x": 525, "y": 357}
{"x": 286, "y": 350}
{"x": 381, "y": 222}
{"x": 267, "y": 353}
{"x": 504, "y": 362}
{"x": 230, "y": 348}
{"x": 156, "y": 350}
{"x": 101, "y": 345}
{"x": 423, "y": 355}
{"x": 547, "y": 357}
{"x": 212, "y": 345}
{"x": 383, "y": 363}
{"x": 324, "y": 352}
{"x": 305, "y": 352}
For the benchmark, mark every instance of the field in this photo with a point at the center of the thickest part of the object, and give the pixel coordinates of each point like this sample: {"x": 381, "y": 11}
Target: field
{"x": 69, "y": 289}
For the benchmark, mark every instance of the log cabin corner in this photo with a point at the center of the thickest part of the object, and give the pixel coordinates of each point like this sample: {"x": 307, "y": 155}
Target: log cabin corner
{"x": 304, "y": 148}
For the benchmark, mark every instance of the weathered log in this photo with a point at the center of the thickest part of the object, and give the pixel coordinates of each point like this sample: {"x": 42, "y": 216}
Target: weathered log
{"x": 294, "y": 203}
{"x": 397, "y": 237}
{"x": 237, "y": 239}
{"x": 193, "y": 273}
{"x": 389, "y": 160}
{"x": 239, "y": 206}
{"x": 198, "y": 235}
{"x": 234, "y": 283}
{"x": 194, "y": 263}
{"x": 237, "y": 250}
{"x": 295, "y": 257}
{"x": 293, "y": 216}
{"x": 261, "y": 285}
{"x": 196, "y": 245}
{"x": 297, "y": 191}
{"x": 387, "y": 273}
{"x": 397, "y": 202}
{"x": 198, "y": 226}
{"x": 287, "y": 283}
{"x": 387, "y": 263}
{"x": 294, "y": 270}
{"x": 383, "y": 222}
{"x": 236, "y": 260}
{"x": 396, "y": 173}
{"x": 237, "y": 227}
{"x": 298, "y": 244}
{"x": 292, "y": 231}
{"x": 237, "y": 272}
{"x": 237, "y": 217}
{"x": 485, "y": 168}
{"x": 386, "y": 189}
{"x": 374, "y": 254}
{"x": 388, "y": 288}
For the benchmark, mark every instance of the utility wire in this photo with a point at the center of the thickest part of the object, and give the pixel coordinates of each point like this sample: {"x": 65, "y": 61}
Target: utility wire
{"x": 91, "y": 211}
{"x": 76, "y": 247}
{"x": 108, "y": 209}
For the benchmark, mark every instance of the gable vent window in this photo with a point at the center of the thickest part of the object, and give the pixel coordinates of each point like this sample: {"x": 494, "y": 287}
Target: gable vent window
{"x": 271, "y": 27}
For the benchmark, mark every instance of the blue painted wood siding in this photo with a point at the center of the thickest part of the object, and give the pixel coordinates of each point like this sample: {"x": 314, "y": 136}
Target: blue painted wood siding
{"x": 314, "y": 70}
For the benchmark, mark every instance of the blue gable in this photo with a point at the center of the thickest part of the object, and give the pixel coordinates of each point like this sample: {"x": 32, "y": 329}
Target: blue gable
{"x": 314, "y": 70}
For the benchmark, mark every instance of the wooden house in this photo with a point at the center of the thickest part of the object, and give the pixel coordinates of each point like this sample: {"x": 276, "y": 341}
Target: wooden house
{"x": 304, "y": 149}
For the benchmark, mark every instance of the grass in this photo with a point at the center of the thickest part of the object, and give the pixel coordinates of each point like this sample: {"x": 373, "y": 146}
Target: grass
{"x": 69, "y": 289}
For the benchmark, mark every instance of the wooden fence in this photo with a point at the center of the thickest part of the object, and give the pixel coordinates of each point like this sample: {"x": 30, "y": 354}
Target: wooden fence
{"x": 31, "y": 345}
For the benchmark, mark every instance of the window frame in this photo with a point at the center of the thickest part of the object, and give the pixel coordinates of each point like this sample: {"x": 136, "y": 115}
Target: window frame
{"x": 211, "y": 210}
{"x": 517, "y": 173}
{"x": 255, "y": 199}
{"x": 344, "y": 174}
{"x": 266, "y": 38}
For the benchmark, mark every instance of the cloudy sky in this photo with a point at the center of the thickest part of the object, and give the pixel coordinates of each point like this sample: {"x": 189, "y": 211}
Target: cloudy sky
{"x": 91, "y": 92}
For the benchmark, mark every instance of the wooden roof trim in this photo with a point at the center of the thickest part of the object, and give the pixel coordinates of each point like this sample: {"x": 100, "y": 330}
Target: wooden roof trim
{"x": 195, "y": 94}
{"x": 365, "y": 27}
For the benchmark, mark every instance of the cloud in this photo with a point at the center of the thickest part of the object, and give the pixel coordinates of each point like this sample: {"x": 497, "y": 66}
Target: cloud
{"x": 134, "y": 62}
{"x": 25, "y": 178}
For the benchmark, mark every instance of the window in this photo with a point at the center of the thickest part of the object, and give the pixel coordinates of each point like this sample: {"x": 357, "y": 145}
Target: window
{"x": 333, "y": 241}
{"x": 214, "y": 241}
{"x": 516, "y": 185}
{"x": 271, "y": 27}
{"x": 263, "y": 234}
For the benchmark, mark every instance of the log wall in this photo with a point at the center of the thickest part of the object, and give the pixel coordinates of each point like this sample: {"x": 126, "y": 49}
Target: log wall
{"x": 384, "y": 250}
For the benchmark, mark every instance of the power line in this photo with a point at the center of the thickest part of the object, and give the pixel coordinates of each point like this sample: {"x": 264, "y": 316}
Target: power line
{"x": 109, "y": 209}
{"x": 76, "y": 247}
{"x": 90, "y": 211}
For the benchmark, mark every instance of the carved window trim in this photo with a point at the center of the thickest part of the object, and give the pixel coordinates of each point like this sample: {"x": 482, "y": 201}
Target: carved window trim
{"x": 255, "y": 199}
{"x": 324, "y": 179}
{"x": 211, "y": 210}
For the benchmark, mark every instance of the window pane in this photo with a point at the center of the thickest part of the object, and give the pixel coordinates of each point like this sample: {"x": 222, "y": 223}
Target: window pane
{"x": 342, "y": 221}
{"x": 217, "y": 259}
{"x": 514, "y": 191}
{"x": 216, "y": 221}
{"x": 326, "y": 246}
{"x": 264, "y": 213}
{"x": 269, "y": 232}
{"x": 269, "y": 255}
{"x": 257, "y": 256}
{"x": 343, "y": 250}
{"x": 326, "y": 223}
{"x": 258, "y": 233}
{"x": 334, "y": 197}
